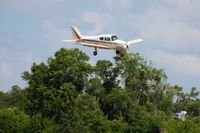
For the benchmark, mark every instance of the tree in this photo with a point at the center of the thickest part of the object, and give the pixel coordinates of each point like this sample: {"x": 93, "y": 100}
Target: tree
{"x": 94, "y": 87}
{"x": 188, "y": 126}
{"x": 4, "y": 100}
{"x": 16, "y": 121}
{"x": 141, "y": 78}
{"x": 140, "y": 120}
{"x": 116, "y": 104}
{"x": 67, "y": 94}
{"x": 39, "y": 124}
{"x": 16, "y": 95}
{"x": 193, "y": 108}
{"x": 184, "y": 99}
{"x": 84, "y": 116}
{"x": 12, "y": 98}
{"x": 52, "y": 86}
{"x": 13, "y": 120}
{"x": 108, "y": 74}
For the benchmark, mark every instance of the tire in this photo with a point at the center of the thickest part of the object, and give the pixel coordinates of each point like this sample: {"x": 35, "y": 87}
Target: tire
{"x": 117, "y": 52}
{"x": 95, "y": 53}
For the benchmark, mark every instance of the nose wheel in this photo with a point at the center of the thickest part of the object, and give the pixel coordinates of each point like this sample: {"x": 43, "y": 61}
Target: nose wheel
{"x": 95, "y": 52}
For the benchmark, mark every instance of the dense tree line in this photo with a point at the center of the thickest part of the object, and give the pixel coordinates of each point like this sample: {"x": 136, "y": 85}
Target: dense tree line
{"x": 68, "y": 94}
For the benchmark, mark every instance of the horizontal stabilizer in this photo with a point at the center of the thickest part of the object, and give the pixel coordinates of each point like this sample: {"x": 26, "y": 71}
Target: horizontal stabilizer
{"x": 69, "y": 40}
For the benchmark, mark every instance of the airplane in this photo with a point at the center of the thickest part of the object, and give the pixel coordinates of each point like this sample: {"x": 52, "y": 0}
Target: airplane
{"x": 107, "y": 41}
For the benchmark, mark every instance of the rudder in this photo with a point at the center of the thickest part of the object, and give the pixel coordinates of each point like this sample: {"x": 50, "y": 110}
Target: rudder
{"x": 75, "y": 33}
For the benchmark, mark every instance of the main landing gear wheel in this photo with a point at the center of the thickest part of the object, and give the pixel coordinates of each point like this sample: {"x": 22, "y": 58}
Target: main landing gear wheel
{"x": 95, "y": 53}
{"x": 117, "y": 52}
{"x": 120, "y": 53}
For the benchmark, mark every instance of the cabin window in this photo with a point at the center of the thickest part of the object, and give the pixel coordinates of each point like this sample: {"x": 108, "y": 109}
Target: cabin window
{"x": 114, "y": 38}
{"x": 107, "y": 38}
{"x": 101, "y": 38}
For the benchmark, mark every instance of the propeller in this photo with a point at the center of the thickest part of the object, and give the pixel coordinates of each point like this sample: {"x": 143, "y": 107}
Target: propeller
{"x": 127, "y": 45}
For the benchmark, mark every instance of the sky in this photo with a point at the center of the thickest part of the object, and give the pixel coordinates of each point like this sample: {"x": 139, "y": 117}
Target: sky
{"x": 33, "y": 30}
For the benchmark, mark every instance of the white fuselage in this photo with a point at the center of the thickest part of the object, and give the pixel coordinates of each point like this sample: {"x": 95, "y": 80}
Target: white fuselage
{"x": 103, "y": 41}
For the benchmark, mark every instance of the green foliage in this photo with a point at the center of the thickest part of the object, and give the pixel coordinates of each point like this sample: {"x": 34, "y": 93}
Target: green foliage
{"x": 67, "y": 94}
{"x": 184, "y": 99}
{"x": 141, "y": 120}
{"x": 94, "y": 87}
{"x": 84, "y": 116}
{"x": 194, "y": 108}
{"x": 16, "y": 95}
{"x": 145, "y": 81}
{"x": 68, "y": 66}
{"x": 50, "y": 102}
{"x": 12, "y": 98}
{"x": 4, "y": 98}
{"x": 16, "y": 121}
{"x": 116, "y": 104}
{"x": 108, "y": 74}
{"x": 188, "y": 126}
{"x": 13, "y": 120}
{"x": 166, "y": 104}
{"x": 39, "y": 124}
{"x": 53, "y": 86}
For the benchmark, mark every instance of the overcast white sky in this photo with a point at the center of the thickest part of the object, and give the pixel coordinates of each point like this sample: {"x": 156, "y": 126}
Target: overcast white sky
{"x": 31, "y": 31}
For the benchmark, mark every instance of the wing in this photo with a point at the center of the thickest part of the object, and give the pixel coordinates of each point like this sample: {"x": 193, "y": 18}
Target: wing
{"x": 69, "y": 40}
{"x": 134, "y": 41}
{"x": 94, "y": 45}
{"x": 88, "y": 44}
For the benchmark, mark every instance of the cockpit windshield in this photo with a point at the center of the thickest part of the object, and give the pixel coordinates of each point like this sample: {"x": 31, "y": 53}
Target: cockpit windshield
{"x": 114, "y": 38}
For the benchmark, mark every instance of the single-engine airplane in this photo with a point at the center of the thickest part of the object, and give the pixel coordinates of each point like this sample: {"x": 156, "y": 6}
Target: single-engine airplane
{"x": 108, "y": 41}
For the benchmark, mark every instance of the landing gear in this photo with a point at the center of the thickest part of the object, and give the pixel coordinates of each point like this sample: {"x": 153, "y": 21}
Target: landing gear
{"x": 95, "y": 52}
{"x": 117, "y": 52}
{"x": 121, "y": 54}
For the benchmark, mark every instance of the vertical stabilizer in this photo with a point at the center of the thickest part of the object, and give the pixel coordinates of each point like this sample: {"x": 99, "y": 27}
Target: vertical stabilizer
{"x": 75, "y": 33}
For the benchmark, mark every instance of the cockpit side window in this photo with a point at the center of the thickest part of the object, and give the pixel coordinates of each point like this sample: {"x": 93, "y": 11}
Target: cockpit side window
{"x": 114, "y": 38}
{"x": 107, "y": 38}
{"x": 101, "y": 38}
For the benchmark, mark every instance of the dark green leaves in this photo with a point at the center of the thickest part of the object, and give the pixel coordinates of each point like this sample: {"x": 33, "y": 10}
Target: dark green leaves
{"x": 67, "y": 94}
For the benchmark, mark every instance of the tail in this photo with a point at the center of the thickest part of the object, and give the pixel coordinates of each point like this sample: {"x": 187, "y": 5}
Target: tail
{"x": 75, "y": 33}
